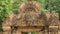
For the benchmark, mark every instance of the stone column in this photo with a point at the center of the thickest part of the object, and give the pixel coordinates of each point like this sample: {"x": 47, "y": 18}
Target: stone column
{"x": 41, "y": 32}
{"x": 18, "y": 32}
{"x": 53, "y": 29}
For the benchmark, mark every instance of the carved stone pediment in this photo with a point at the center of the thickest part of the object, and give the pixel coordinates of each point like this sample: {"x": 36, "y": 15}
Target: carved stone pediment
{"x": 29, "y": 15}
{"x": 29, "y": 19}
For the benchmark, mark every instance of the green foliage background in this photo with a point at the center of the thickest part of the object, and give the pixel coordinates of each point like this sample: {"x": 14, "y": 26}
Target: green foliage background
{"x": 11, "y": 6}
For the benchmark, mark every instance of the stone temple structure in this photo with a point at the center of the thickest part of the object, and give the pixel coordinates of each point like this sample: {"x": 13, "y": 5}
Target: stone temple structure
{"x": 31, "y": 19}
